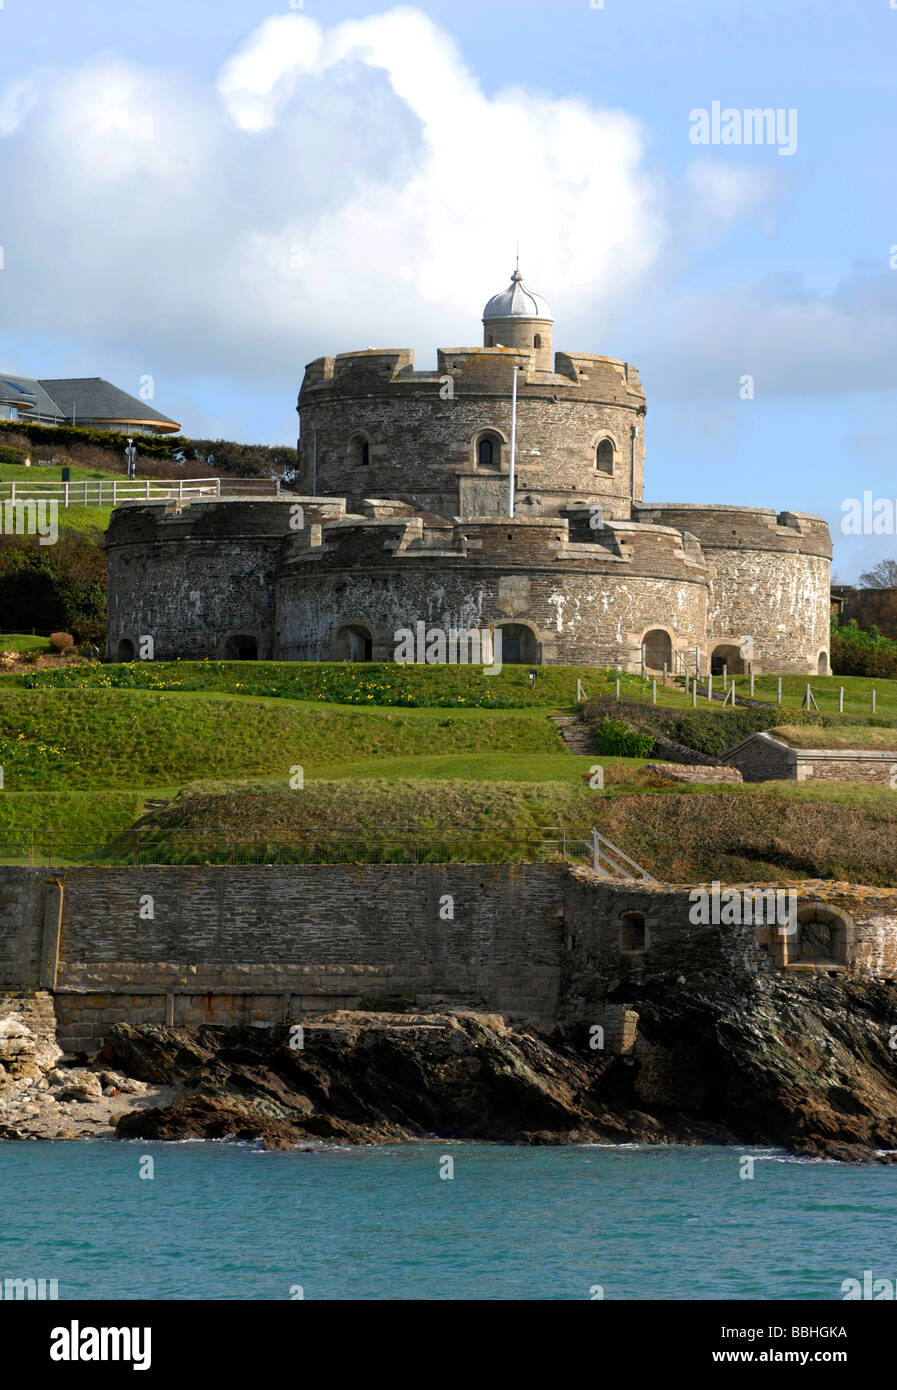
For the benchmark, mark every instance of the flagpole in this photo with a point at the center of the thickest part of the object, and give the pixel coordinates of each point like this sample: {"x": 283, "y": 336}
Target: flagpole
{"x": 513, "y": 445}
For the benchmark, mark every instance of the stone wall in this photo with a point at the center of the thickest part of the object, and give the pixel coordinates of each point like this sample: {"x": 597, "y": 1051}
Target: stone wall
{"x": 264, "y": 944}
{"x": 762, "y": 758}
{"x": 585, "y": 602}
{"x": 192, "y": 576}
{"x": 770, "y": 580}
{"x": 421, "y": 428}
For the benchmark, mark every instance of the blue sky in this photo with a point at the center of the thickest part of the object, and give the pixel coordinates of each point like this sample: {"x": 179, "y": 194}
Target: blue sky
{"x": 214, "y": 194}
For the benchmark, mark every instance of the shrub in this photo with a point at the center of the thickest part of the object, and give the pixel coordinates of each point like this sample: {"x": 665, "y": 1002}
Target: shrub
{"x": 856, "y": 651}
{"x": 62, "y": 641}
{"x": 10, "y": 455}
{"x": 617, "y": 738}
{"x": 712, "y": 731}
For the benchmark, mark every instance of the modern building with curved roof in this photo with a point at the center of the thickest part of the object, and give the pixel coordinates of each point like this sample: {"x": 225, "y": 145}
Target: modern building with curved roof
{"x": 89, "y": 402}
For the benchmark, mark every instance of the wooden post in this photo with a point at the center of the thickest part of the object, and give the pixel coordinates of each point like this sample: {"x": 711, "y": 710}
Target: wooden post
{"x": 725, "y": 675}
{"x": 114, "y": 487}
{"x": 779, "y": 691}
{"x": 654, "y": 692}
{"x": 147, "y": 489}
{"x": 694, "y": 695}
{"x": 617, "y": 685}
{"x": 873, "y": 702}
{"x": 65, "y": 488}
{"x": 686, "y": 683}
{"x": 840, "y": 699}
{"x": 710, "y": 686}
{"x": 752, "y": 685}
{"x": 664, "y": 673}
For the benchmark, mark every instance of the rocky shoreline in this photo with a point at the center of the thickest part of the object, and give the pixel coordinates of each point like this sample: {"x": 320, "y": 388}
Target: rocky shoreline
{"x": 806, "y": 1065}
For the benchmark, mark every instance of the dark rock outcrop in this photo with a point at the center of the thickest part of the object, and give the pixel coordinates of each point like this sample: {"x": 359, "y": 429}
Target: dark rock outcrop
{"x": 805, "y": 1064}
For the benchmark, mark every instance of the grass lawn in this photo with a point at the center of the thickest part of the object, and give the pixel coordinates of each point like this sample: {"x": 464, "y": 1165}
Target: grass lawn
{"x": 100, "y": 738}
{"x": 374, "y": 683}
{"x": 23, "y": 642}
{"x": 497, "y": 766}
{"x": 83, "y": 749}
{"x": 17, "y": 473}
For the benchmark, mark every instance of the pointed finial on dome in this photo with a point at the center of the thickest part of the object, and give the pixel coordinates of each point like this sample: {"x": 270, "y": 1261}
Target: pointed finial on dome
{"x": 517, "y": 301}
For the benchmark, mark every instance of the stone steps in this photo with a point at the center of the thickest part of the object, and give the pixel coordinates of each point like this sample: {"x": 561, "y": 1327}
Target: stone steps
{"x": 576, "y": 733}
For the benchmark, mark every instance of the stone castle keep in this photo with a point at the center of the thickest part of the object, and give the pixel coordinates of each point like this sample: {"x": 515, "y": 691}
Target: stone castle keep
{"x": 406, "y": 483}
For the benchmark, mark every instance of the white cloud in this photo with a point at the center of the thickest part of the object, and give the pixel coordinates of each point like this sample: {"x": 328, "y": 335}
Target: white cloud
{"x": 335, "y": 187}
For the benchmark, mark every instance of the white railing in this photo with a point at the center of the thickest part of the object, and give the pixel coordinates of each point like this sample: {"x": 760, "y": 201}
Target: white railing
{"x": 109, "y": 492}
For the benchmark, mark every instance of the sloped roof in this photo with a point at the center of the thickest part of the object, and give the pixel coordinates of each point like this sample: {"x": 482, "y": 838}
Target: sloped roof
{"x": 92, "y": 398}
{"x": 29, "y": 395}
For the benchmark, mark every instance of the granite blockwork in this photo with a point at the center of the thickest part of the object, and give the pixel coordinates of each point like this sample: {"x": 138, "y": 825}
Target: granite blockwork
{"x": 402, "y": 516}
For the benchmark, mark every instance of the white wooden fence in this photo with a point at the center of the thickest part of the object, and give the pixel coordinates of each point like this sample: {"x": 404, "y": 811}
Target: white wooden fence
{"x": 109, "y": 492}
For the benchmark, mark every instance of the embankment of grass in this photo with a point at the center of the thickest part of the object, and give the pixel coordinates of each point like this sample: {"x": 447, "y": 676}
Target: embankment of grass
{"x": 773, "y": 833}
{"x": 66, "y": 739}
{"x": 366, "y": 684}
{"x": 835, "y": 736}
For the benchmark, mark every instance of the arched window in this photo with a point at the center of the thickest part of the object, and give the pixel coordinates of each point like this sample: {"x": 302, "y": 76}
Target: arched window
{"x": 604, "y": 456}
{"x": 359, "y": 450}
{"x": 489, "y": 342}
{"x": 537, "y": 340}
{"x": 484, "y": 451}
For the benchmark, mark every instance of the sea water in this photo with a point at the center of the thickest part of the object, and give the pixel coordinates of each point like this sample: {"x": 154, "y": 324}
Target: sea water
{"x": 230, "y": 1221}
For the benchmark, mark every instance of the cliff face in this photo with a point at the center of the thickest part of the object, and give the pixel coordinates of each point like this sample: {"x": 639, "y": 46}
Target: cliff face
{"x": 808, "y": 1066}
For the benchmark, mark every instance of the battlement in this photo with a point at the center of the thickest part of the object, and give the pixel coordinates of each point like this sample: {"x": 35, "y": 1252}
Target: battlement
{"x": 215, "y": 520}
{"x": 742, "y": 528}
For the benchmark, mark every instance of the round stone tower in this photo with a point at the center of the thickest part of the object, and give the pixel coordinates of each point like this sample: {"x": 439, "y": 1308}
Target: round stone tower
{"x": 518, "y": 318}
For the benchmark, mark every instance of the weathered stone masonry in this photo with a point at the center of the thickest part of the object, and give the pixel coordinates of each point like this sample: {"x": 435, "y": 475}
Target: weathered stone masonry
{"x": 264, "y": 944}
{"x": 406, "y": 476}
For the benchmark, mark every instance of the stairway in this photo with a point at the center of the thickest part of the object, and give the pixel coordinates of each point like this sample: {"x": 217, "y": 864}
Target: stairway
{"x": 576, "y": 733}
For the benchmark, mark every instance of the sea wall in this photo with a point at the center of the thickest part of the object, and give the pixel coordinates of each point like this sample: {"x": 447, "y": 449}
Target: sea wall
{"x": 263, "y": 944}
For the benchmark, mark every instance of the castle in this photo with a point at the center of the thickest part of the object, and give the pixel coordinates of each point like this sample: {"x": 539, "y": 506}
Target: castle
{"x": 502, "y": 490}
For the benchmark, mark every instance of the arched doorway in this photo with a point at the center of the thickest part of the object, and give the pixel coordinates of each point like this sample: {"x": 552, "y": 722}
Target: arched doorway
{"x": 354, "y": 643}
{"x": 125, "y": 650}
{"x": 658, "y": 648}
{"x": 727, "y": 655}
{"x": 519, "y": 645}
{"x": 822, "y": 664}
{"x": 241, "y": 646}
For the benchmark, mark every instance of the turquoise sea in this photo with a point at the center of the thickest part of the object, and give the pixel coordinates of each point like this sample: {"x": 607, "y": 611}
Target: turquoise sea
{"x": 228, "y": 1221}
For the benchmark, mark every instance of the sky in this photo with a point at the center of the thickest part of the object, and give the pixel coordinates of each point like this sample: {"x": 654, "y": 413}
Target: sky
{"x": 212, "y": 195}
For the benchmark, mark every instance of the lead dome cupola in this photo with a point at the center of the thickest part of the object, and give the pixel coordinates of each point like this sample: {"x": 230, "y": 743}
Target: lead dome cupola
{"x": 517, "y": 302}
